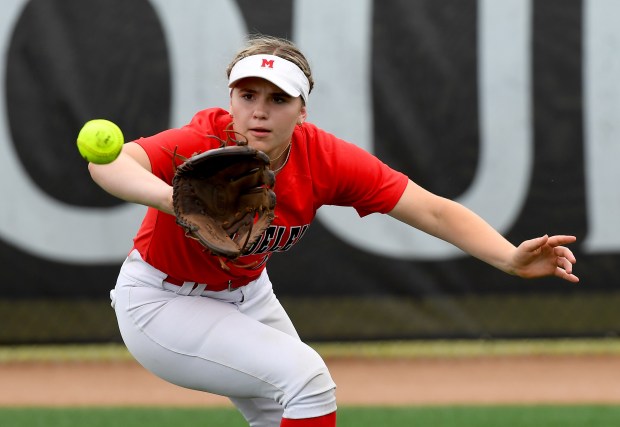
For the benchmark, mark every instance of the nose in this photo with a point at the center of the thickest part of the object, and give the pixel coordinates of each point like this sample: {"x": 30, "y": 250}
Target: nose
{"x": 259, "y": 114}
{"x": 260, "y": 110}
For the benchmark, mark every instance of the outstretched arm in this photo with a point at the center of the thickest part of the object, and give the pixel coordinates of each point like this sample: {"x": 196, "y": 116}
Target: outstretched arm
{"x": 456, "y": 224}
{"x": 129, "y": 178}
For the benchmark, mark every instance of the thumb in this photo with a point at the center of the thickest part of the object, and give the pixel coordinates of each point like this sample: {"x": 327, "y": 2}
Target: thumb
{"x": 535, "y": 244}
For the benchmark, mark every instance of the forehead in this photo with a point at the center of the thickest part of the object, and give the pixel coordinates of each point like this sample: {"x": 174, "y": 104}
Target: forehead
{"x": 257, "y": 84}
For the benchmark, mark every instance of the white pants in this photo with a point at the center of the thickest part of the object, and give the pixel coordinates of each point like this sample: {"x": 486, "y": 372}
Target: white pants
{"x": 240, "y": 344}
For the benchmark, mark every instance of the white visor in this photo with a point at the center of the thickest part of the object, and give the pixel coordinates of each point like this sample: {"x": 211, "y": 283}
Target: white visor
{"x": 279, "y": 71}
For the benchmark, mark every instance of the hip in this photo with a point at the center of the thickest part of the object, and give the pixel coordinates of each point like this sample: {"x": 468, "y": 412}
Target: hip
{"x": 137, "y": 272}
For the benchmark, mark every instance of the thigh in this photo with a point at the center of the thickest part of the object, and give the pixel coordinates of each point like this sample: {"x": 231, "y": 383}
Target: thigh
{"x": 261, "y": 304}
{"x": 204, "y": 344}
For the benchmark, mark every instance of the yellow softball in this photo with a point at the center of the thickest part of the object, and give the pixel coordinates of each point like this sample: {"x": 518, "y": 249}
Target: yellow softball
{"x": 100, "y": 141}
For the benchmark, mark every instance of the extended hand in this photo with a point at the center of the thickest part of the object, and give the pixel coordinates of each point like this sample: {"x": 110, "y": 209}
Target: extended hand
{"x": 545, "y": 256}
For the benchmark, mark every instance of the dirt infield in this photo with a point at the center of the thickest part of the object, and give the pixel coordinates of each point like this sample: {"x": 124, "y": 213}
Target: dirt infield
{"x": 361, "y": 381}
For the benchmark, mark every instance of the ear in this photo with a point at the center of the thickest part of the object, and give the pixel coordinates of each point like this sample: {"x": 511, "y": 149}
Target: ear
{"x": 303, "y": 114}
{"x": 230, "y": 99}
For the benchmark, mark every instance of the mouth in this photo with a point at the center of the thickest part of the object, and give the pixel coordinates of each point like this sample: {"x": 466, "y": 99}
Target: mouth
{"x": 259, "y": 132}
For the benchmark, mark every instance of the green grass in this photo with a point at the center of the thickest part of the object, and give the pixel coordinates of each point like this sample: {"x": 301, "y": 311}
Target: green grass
{"x": 117, "y": 417}
{"x": 389, "y": 349}
{"x": 437, "y": 416}
{"x": 482, "y": 416}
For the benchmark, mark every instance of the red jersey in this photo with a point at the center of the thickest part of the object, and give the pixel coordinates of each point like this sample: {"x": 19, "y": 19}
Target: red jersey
{"x": 321, "y": 170}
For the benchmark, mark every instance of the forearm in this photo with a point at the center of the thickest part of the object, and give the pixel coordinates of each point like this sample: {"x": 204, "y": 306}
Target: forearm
{"x": 129, "y": 180}
{"x": 468, "y": 231}
{"x": 456, "y": 224}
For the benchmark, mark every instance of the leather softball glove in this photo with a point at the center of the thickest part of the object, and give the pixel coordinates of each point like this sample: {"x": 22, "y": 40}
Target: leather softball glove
{"x": 224, "y": 199}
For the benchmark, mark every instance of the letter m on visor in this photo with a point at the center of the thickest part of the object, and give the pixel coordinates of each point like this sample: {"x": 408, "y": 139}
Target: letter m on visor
{"x": 267, "y": 63}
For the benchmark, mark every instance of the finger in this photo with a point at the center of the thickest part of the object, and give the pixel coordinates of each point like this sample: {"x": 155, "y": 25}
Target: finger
{"x": 564, "y": 264}
{"x": 563, "y": 274}
{"x": 561, "y": 240}
{"x": 563, "y": 252}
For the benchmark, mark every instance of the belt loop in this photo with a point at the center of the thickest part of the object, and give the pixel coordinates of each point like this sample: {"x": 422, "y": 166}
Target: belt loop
{"x": 186, "y": 288}
{"x": 200, "y": 287}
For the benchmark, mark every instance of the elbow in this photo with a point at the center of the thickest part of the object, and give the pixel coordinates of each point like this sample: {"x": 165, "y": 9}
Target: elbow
{"x": 95, "y": 172}
{"x": 92, "y": 170}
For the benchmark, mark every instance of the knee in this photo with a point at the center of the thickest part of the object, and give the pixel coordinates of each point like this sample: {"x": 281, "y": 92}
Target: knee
{"x": 315, "y": 396}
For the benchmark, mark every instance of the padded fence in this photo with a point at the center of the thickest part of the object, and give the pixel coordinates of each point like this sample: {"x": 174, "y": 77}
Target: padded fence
{"x": 506, "y": 106}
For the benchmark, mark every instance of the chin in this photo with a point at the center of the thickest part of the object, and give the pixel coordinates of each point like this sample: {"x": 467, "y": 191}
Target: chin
{"x": 261, "y": 147}
{"x": 258, "y": 142}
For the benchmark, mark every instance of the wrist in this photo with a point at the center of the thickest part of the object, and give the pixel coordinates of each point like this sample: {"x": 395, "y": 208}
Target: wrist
{"x": 163, "y": 201}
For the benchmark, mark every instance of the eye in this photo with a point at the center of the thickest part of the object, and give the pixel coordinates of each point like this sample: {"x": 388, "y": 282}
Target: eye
{"x": 280, "y": 99}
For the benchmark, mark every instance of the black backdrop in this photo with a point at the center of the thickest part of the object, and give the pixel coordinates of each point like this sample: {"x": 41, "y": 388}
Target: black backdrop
{"x": 71, "y": 60}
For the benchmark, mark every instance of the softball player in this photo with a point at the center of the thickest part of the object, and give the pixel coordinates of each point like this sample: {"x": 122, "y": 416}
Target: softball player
{"x": 221, "y": 329}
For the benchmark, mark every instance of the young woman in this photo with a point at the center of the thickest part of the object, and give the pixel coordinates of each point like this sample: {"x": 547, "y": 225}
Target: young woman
{"x": 222, "y": 330}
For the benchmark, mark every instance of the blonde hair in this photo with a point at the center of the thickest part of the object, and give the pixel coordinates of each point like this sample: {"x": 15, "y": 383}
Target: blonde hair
{"x": 270, "y": 45}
